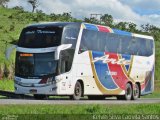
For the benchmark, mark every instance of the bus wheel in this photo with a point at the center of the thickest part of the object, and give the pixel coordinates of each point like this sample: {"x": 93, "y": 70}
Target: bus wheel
{"x": 136, "y": 92}
{"x": 77, "y": 91}
{"x": 39, "y": 97}
{"x": 96, "y": 97}
{"x": 128, "y": 93}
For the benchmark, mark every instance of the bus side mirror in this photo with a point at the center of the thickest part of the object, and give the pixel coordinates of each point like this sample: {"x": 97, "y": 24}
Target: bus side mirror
{"x": 9, "y": 51}
{"x": 60, "y": 48}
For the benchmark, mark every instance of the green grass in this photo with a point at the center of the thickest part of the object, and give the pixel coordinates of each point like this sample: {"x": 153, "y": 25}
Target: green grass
{"x": 40, "y": 112}
{"x": 7, "y": 85}
{"x": 81, "y": 109}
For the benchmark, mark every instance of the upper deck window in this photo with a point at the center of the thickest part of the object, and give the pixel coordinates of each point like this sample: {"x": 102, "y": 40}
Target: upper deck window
{"x": 114, "y": 43}
{"x": 40, "y": 37}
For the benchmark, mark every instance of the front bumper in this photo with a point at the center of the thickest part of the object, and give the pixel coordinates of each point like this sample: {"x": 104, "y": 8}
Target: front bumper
{"x": 47, "y": 90}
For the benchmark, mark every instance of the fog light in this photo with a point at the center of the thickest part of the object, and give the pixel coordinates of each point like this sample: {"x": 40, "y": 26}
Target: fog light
{"x": 53, "y": 88}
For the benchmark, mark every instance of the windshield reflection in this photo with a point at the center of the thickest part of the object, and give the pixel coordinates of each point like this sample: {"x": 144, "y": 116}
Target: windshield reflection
{"x": 37, "y": 65}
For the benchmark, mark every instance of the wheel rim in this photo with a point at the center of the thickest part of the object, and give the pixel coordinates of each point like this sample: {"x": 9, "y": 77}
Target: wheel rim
{"x": 77, "y": 90}
{"x": 128, "y": 92}
{"x": 136, "y": 91}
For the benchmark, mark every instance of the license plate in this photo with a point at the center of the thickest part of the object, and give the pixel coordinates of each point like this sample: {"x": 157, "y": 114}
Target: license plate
{"x": 33, "y": 91}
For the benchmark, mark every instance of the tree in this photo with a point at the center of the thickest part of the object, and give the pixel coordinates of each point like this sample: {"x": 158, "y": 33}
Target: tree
{"x": 34, "y": 4}
{"x": 152, "y": 30}
{"x": 107, "y": 19}
{"x": 122, "y": 25}
{"x": 92, "y": 20}
{"x": 132, "y": 27}
{"x": 3, "y": 2}
{"x": 146, "y": 27}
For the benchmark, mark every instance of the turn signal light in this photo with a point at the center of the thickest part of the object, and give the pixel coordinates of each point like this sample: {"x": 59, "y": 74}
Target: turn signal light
{"x": 26, "y": 55}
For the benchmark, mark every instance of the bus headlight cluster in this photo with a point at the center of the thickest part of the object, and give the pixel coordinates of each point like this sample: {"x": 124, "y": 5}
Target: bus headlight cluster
{"x": 49, "y": 80}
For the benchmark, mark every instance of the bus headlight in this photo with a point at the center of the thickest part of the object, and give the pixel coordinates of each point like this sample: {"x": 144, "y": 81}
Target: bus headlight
{"x": 49, "y": 80}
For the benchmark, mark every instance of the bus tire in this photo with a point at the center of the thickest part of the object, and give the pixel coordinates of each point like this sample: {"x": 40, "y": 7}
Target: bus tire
{"x": 96, "y": 97}
{"x": 39, "y": 97}
{"x": 128, "y": 93}
{"x": 77, "y": 91}
{"x": 136, "y": 92}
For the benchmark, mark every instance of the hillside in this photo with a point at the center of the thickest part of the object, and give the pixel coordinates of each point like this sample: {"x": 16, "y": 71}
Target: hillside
{"x": 13, "y": 20}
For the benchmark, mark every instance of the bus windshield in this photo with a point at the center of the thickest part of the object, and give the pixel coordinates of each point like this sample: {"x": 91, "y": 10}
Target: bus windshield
{"x": 35, "y": 65}
{"x": 40, "y": 37}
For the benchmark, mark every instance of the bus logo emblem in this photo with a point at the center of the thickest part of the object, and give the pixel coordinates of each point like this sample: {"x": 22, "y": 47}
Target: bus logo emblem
{"x": 106, "y": 59}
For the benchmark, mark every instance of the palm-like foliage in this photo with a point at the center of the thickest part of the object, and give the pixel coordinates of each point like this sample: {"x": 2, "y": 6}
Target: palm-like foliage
{"x": 3, "y": 2}
{"x": 34, "y": 4}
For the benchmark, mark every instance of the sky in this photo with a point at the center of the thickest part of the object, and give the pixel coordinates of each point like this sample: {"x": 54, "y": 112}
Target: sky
{"x": 137, "y": 11}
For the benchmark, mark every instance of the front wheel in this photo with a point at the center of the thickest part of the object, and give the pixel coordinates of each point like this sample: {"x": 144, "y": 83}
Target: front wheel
{"x": 77, "y": 91}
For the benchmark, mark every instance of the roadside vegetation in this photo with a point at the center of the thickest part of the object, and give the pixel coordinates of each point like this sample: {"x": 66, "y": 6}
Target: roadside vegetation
{"x": 81, "y": 109}
{"x": 7, "y": 85}
{"x": 80, "y": 112}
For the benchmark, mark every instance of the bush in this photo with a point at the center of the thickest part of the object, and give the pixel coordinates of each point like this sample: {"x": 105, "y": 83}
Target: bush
{"x": 20, "y": 8}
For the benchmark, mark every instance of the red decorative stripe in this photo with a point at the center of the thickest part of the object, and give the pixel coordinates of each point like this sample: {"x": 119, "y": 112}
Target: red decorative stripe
{"x": 120, "y": 79}
{"x": 103, "y": 29}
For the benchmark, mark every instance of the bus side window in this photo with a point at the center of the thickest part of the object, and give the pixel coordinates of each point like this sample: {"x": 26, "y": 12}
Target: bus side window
{"x": 83, "y": 45}
{"x": 70, "y": 36}
{"x": 102, "y": 45}
{"x": 133, "y": 47}
{"x": 143, "y": 47}
{"x": 94, "y": 41}
{"x": 64, "y": 65}
{"x": 85, "y": 41}
{"x": 66, "y": 60}
{"x": 119, "y": 49}
{"x": 149, "y": 47}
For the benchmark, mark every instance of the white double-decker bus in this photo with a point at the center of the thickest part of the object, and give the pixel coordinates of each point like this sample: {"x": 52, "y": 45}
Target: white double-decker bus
{"x": 81, "y": 59}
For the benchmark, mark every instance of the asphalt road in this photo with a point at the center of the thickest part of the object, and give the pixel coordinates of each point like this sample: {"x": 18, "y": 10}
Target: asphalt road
{"x": 79, "y": 102}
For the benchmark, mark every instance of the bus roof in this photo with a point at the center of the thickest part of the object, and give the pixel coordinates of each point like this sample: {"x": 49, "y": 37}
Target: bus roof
{"x": 90, "y": 27}
{"x": 114, "y": 31}
{"x": 50, "y": 24}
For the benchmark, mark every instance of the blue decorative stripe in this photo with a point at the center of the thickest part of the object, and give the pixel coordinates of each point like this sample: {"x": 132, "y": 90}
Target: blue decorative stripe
{"x": 120, "y": 32}
{"x": 127, "y": 57}
{"x": 102, "y": 71}
{"x": 115, "y": 31}
{"x": 91, "y": 27}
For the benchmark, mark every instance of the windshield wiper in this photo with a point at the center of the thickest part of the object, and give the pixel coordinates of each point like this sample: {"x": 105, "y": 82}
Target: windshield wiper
{"x": 48, "y": 75}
